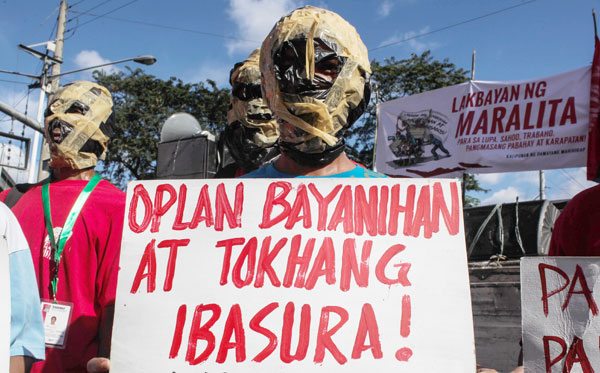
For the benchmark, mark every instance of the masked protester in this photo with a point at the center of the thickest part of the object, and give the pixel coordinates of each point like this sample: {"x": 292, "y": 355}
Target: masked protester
{"x": 73, "y": 223}
{"x": 252, "y": 131}
{"x": 315, "y": 71}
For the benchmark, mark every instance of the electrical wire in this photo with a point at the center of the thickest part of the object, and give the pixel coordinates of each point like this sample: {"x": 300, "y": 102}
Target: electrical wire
{"x": 570, "y": 177}
{"x": 77, "y": 3}
{"x": 107, "y": 13}
{"x": 12, "y": 81}
{"x": 453, "y": 25}
{"x": 168, "y": 27}
{"x": 87, "y": 11}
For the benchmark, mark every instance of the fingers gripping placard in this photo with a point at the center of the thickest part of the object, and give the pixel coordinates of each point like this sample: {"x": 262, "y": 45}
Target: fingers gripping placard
{"x": 264, "y": 275}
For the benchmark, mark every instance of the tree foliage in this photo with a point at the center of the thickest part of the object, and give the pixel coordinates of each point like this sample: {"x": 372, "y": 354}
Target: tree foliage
{"x": 142, "y": 103}
{"x": 398, "y": 78}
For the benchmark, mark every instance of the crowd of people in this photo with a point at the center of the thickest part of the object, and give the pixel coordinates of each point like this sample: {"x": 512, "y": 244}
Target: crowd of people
{"x": 291, "y": 104}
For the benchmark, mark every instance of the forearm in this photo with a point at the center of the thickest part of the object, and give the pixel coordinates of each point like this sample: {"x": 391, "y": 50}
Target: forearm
{"x": 105, "y": 332}
{"x": 20, "y": 364}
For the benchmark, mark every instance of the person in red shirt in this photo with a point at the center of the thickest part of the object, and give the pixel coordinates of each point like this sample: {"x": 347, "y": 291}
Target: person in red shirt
{"x": 576, "y": 231}
{"x": 73, "y": 223}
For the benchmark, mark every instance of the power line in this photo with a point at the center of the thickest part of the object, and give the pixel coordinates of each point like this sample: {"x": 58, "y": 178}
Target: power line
{"x": 572, "y": 178}
{"x": 77, "y": 3}
{"x": 453, "y": 25}
{"x": 107, "y": 13}
{"x": 168, "y": 27}
{"x": 13, "y": 81}
{"x": 87, "y": 11}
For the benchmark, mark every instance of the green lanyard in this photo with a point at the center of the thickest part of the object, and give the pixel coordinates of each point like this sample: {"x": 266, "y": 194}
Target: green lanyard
{"x": 59, "y": 245}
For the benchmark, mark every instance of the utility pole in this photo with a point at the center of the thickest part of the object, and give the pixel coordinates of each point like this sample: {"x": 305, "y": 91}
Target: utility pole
{"x": 60, "y": 41}
{"x": 37, "y": 171}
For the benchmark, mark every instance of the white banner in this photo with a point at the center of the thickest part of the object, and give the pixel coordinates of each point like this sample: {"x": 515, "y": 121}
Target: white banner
{"x": 561, "y": 328}
{"x": 330, "y": 275}
{"x": 484, "y": 127}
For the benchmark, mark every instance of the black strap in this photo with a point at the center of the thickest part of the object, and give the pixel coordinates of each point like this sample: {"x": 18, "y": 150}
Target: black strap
{"x": 17, "y": 192}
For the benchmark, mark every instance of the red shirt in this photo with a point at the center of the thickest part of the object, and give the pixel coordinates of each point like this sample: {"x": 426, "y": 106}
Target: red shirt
{"x": 89, "y": 265}
{"x": 577, "y": 229}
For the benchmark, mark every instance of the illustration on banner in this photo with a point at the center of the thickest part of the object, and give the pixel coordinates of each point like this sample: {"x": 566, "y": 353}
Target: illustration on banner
{"x": 417, "y": 132}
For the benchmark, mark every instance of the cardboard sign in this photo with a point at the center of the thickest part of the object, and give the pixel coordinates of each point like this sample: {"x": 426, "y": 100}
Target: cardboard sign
{"x": 560, "y": 298}
{"x": 485, "y": 127}
{"x": 332, "y": 275}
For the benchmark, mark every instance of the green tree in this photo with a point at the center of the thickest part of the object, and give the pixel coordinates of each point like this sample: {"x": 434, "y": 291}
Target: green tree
{"x": 398, "y": 78}
{"x": 142, "y": 103}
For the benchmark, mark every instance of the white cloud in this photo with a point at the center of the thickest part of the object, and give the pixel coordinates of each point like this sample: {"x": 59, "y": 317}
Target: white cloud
{"x": 526, "y": 177}
{"x": 505, "y": 195}
{"x": 214, "y": 71}
{"x": 385, "y": 8}
{"x": 88, "y": 58}
{"x": 410, "y": 38}
{"x": 489, "y": 180}
{"x": 254, "y": 19}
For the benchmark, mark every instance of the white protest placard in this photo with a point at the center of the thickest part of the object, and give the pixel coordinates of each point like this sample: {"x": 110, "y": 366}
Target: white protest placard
{"x": 332, "y": 275}
{"x": 485, "y": 127}
{"x": 560, "y": 298}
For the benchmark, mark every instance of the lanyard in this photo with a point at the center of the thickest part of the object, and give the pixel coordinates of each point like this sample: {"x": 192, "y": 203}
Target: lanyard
{"x": 59, "y": 245}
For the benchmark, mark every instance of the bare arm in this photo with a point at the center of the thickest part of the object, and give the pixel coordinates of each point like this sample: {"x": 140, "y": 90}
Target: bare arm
{"x": 101, "y": 363}
{"x": 20, "y": 364}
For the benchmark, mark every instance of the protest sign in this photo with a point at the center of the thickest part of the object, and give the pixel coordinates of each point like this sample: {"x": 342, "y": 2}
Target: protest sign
{"x": 560, "y": 298}
{"x": 485, "y": 127}
{"x": 336, "y": 275}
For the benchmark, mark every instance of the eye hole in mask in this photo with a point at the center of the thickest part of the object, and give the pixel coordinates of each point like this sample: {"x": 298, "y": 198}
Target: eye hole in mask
{"x": 58, "y": 130}
{"x": 246, "y": 92}
{"x": 290, "y": 69}
{"x": 78, "y": 107}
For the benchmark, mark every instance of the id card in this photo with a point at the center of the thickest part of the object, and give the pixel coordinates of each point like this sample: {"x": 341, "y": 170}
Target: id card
{"x": 56, "y": 317}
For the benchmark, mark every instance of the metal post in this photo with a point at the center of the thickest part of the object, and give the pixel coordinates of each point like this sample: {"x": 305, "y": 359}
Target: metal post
{"x": 465, "y": 175}
{"x": 473, "y": 65}
{"x": 37, "y": 137}
{"x": 595, "y": 26}
{"x": 542, "y": 185}
{"x": 376, "y": 89}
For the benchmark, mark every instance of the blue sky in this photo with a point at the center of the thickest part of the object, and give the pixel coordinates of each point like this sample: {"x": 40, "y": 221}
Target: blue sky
{"x": 196, "y": 40}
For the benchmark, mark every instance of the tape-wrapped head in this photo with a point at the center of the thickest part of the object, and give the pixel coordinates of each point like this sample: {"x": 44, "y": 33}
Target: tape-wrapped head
{"x": 315, "y": 71}
{"x": 78, "y": 124}
{"x": 252, "y": 131}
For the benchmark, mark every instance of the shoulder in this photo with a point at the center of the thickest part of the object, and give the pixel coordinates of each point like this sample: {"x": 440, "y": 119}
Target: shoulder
{"x": 266, "y": 171}
{"x": 10, "y": 229}
{"x": 108, "y": 194}
{"x": 583, "y": 203}
{"x": 360, "y": 172}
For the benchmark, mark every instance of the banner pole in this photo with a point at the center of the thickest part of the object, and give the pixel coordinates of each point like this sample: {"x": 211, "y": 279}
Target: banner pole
{"x": 376, "y": 89}
{"x": 464, "y": 177}
{"x": 595, "y": 24}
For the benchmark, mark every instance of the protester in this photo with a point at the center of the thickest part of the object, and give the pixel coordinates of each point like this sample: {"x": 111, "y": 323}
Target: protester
{"x": 576, "y": 231}
{"x": 26, "y": 338}
{"x": 315, "y": 71}
{"x": 252, "y": 131}
{"x": 73, "y": 223}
